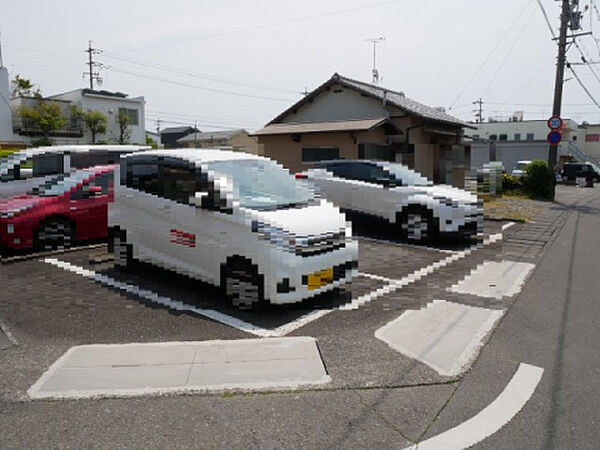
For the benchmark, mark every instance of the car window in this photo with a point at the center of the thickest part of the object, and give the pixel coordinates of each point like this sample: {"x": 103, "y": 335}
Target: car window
{"x": 178, "y": 182}
{"x": 262, "y": 184}
{"x": 143, "y": 175}
{"x": 369, "y": 172}
{"x": 406, "y": 176}
{"x": 341, "y": 170}
{"x": 61, "y": 184}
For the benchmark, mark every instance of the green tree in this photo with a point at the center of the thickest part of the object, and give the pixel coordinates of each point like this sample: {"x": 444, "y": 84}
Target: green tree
{"x": 95, "y": 121}
{"x": 151, "y": 142}
{"x": 43, "y": 117}
{"x": 23, "y": 87}
{"x": 123, "y": 120}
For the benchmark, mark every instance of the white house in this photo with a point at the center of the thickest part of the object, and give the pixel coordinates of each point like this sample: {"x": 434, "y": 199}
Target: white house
{"x": 109, "y": 103}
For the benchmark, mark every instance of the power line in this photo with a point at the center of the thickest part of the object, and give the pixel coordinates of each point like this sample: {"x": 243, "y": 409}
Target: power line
{"x": 191, "y": 73}
{"x": 274, "y": 24}
{"x": 539, "y": 2}
{"x": 489, "y": 55}
{"x": 203, "y": 88}
{"x": 583, "y": 86}
{"x": 516, "y": 41}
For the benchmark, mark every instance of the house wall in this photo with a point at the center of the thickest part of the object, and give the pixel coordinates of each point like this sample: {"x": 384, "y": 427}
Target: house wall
{"x": 289, "y": 153}
{"x": 243, "y": 142}
{"x": 509, "y": 153}
{"x": 338, "y": 104}
{"x": 6, "y": 132}
{"x": 433, "y": 152}
{"x": 590, "y": 142}
{"x": 110, "y": 107}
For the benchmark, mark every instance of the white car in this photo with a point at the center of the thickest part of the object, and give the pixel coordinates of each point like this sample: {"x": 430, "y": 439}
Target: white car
{"x": 400, "y": 196}
{"x": 232, "y": 219}
{"x": 520, "y": 169}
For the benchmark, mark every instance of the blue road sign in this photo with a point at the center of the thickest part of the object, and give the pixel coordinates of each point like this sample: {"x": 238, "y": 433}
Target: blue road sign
{"x": 554, "y": 137}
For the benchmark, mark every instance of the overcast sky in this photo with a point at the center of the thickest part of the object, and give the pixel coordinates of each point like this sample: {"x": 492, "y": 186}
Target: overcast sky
{"x": 235, "y": 63}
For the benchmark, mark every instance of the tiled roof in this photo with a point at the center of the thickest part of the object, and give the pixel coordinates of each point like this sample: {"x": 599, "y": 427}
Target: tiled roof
{"x": 210, "y": 135}
{"x": 389, "y": 96}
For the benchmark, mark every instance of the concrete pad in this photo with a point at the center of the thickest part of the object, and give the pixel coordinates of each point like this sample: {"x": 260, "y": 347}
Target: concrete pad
{"x": 125, "y": 370}
{"x": 444, "y": 335}
{"x": 495, "y": 279}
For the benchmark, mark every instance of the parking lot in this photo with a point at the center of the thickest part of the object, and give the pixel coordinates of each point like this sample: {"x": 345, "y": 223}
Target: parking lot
{"x": 57, "y": 301}
{"x": 54, "y": 302}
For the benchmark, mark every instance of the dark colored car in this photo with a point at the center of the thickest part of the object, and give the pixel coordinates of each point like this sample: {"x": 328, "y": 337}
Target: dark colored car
{"x": 64, "y": 210}
{"x": 573, "y": 170}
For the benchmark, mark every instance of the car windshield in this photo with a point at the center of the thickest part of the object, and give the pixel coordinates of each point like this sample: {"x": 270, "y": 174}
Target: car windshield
{"x": 522, "y": 165}
{"x": 261, "y": 184}
{"x": 407, "y": 176}
{"x": 61, "y": 184}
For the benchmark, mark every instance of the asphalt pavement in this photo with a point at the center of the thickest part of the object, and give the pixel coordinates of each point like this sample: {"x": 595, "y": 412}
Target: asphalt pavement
{"x": 377, "y": 397}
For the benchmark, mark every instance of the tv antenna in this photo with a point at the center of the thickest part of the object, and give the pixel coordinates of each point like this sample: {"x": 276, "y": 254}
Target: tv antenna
{"x": 375, "y": 72}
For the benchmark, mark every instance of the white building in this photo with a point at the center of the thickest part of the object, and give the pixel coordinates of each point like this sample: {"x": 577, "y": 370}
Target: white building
{"x": 74, "y": 131}
{"x": 526, "y": 140}
{"x": 7, "y": 137}
{"x": 110, "y": 103}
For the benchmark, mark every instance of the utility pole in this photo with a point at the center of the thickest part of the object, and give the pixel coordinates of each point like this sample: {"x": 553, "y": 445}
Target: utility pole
{"x": 560, "y": 75}
{"x": 479, "y": 111}
{"x": 195, "y": 133}
{"x": 92, "y": 65}
{"x": 375, "y": 72}
{"x": 158, "y": 126}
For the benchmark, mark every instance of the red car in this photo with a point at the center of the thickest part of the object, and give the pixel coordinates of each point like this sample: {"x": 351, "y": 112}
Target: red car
{"x": 67, "y": 209}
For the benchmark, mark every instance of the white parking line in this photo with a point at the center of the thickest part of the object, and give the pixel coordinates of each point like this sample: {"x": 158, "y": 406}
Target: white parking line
{"x": 394, "y": 285}
{"x": 162, "y": 300}
{"x": 506, "y": 226}
{"x": 7, "y": 333}
{"x": 404, "y": 244}
{"x": 283, "y": 329}
{"x": 493, "y": 417}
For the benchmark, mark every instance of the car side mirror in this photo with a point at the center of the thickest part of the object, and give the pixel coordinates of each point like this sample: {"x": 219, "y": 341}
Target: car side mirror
{"x": 94, "y": 191}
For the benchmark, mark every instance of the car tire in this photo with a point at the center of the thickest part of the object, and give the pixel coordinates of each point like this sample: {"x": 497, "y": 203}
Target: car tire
{"x": 121, "y": 250}
{"x": 55, "y": 233}
{"x": 417, "y": 225}
{"x": 242, "y": 284}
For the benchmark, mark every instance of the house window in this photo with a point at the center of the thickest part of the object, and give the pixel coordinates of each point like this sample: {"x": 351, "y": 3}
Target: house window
{"x": 133, "y": 115}
{"x": 493, "y": 137}
{"x": 502, "y": 137}
{"x": 310, "y": 154}
{"x": 380, "y": 152}
{"x": 517, "y": 136}
{"x": 530, "y": 136}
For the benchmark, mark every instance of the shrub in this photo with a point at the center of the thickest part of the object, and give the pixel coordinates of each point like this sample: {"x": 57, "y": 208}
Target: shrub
{"x": 538, "y": 179}
{"x": 510, "y": 183}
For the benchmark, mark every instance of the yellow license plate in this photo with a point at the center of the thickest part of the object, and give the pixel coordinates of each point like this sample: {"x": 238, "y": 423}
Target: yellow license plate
{"x": 321, "y": 278}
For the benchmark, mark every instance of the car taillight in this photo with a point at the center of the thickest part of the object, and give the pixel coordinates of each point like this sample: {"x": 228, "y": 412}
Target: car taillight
{"x": 301, "y": 176}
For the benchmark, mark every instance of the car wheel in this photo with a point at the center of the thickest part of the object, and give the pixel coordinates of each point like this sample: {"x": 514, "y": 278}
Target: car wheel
{"x": 242, "y": 284}
{"x": 416, "y": 225}
{"x": 55, "y": 233}
{"x": 122, "y": 252}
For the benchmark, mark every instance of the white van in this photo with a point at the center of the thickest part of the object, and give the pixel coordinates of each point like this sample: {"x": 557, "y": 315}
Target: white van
{"x": 232, "y": 219}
